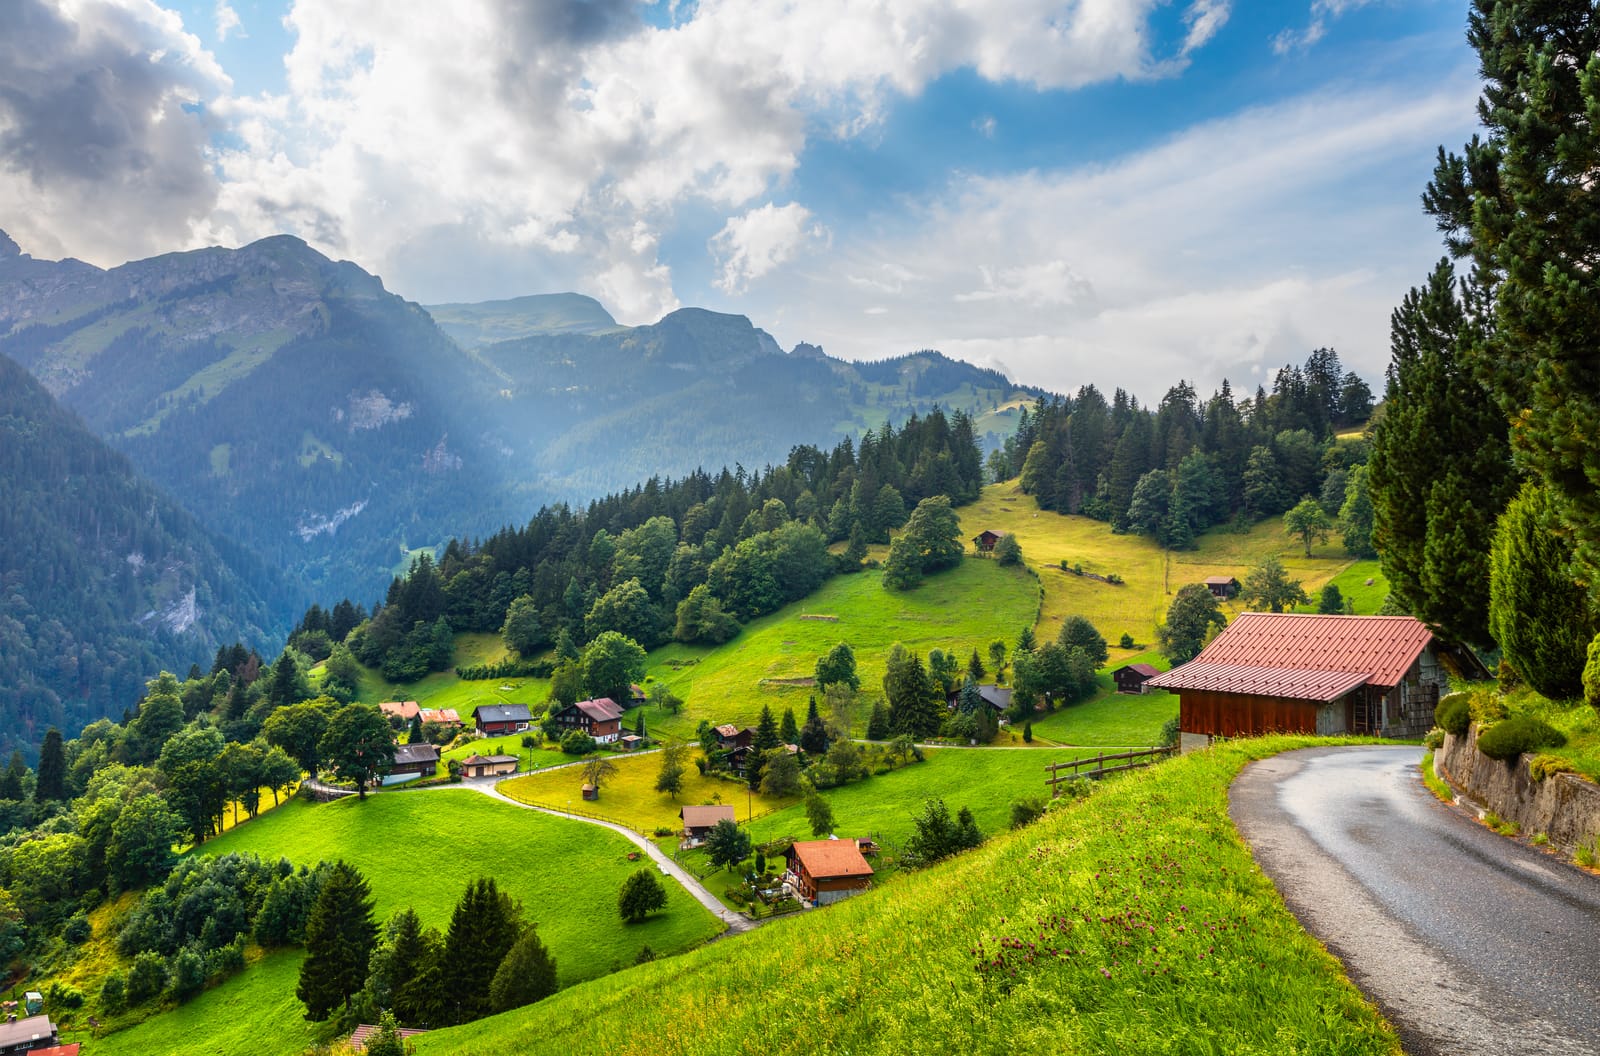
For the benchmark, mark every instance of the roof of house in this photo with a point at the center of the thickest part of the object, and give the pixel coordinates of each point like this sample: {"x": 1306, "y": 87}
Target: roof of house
{"x": 479, "y": 760}
{"x": 998, "y": 533}
{"x": 695, "y": 817}
{"x": 406, "y": 709}
{"x": 829, "y": 859}
{"x": 440, "y": 715}
{"x": 601, "y": 709}
{"x": 1143, "y": 669}
{"x": 635, "y": 689}
{"x": 34, "y": 1028}
{"x": 997, "y": 697}
{"x": 415, "y": 753}
{"x": 57, "y": 1050}
{"x": 503, "y": 713}
{"x": 631, "y": 737}
{"x": 728, "y": 729}
{"x": 1220, "y": 581}
{"x": 1303, "y": 656}
{"x": 358, "y": 1040}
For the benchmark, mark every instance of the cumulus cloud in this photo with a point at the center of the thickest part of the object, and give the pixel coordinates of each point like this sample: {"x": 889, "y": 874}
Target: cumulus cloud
{"x": 752, "y": 245}
{"x": 103, "y": 128}
{"x": 227, "y": 20}
{"x": 1227, "y": 250}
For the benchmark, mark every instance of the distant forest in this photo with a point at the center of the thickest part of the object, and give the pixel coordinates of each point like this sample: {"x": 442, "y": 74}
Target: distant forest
{"x": 1174, "y": 470}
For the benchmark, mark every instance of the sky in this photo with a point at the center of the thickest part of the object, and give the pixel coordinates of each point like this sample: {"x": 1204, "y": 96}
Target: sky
{"x": 1117, "y": 192}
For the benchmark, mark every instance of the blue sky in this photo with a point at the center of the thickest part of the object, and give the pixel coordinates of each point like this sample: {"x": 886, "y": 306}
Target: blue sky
{"x": 1112, "y": 191}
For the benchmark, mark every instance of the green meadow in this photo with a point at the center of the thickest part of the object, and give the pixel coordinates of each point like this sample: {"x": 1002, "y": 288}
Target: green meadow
{"x": 1134, "y": 921}
{"x": 421, "y": 849}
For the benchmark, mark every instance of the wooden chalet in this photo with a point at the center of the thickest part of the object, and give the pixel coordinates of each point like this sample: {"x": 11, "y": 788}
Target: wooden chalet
{"x": 1294, "y": 673}
{"x": 699, "y": 821}
{"x": 984, "y": 542}
{"x": 403, "y": 710}
{"x": 412, "y": 761}
{"x": 636, "y": 695}
{"x": 825, "y": 871}
{"x": 600, "y": 719}
{"x": 25, "y": 1035}
{"x": 1223, "y": 588}
{"x": 497, "y": 720}
{"x": 996, "y": 697}
{"x": 358, "y": 1040}
{"x": 1132, "y": 678}
{"x": 488, "y": 765}
{"x": 730, "y": 737}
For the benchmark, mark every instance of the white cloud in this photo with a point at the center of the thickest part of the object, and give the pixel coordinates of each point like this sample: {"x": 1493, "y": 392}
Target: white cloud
{"x": 1228, "y": 250}
{"x": 752, "y": 245}
{"x": 1204, "y": 18}
{"x": 227, "y": 20}
{"x": 1288, "y": 41}
{"x": 986, "y": 126}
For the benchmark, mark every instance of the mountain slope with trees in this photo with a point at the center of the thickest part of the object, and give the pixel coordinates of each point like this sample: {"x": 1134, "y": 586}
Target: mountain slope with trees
{"x": 106, "y": 579}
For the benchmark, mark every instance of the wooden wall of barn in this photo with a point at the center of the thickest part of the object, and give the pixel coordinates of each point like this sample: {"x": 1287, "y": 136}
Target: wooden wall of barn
{"x": 1238, "y": 715}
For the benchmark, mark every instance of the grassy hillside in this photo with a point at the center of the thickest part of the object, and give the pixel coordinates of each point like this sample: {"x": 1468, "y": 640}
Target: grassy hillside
{"x": 1132, "y": 922}
{"x": 421, "y": 849}
{"x": 1152, "y": 575}
{"x": 772, "y": 660}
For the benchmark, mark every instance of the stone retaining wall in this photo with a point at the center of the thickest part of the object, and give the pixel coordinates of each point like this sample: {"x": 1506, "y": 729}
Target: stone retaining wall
{"x": 1564, "y": 807}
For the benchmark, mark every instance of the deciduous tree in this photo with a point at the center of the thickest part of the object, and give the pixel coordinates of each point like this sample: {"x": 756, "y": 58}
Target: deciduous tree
{"x": 1190, "y": 619}
{"x": 1268, "y": 586}
{"x": 641, "y": 895}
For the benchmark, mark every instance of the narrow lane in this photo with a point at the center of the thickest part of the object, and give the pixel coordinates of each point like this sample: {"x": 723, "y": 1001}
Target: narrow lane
{"x": 1470, "y": 943}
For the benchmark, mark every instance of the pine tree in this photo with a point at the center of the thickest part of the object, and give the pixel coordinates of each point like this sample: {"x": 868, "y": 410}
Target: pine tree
{"x": 814, "y": 735}
{"x": 766, "y": 737}
{"x": 340, "y": 935}
{"x": 910, "y": 694}
{"x": 1538, "y": 614}
{"x": 11, "y": 781}
{"x": 483, "y": 927}
{"x": 975, "y": 669}
{"x": 819, "y": 814}
{"x": 52, "y": 776}
{"x": 788, "y": 729}
{"x": 878, "y": 723}
{"x": 527, "y": 974}
{"x": 414, "y": 734}
{"x": 415, "y": 971}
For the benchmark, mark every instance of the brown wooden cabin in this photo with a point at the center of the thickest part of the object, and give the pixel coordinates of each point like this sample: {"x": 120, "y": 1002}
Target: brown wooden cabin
{"x": 1297, "y": 673}
{"x": 824, "y": 871}
{"x": 488, "y": 765}
{"x": 497, "y": 720}
{"x": 413, "y": 759}
{"x": 1131, "y": 678}
{"x": 698, "y": 821}
{"x": 599, "y": 718}
{"x": 1222, "y": 588}
{"x": 984, "y": 542}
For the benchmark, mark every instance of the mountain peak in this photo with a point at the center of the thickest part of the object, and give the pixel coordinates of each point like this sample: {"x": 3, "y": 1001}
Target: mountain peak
{"x": 8, "y": 247}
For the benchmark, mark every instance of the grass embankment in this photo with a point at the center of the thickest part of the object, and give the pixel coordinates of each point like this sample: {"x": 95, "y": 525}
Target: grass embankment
{"x": 421, "y": 850}
{"x": 772, "y": 660}
{"x": 1577, "y": 720}
{"x": 1151, "y": 575}
{"x": 1132, "y": 922}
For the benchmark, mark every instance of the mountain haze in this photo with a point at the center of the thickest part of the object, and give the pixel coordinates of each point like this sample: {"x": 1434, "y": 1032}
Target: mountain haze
{"x": 106, "y": 579}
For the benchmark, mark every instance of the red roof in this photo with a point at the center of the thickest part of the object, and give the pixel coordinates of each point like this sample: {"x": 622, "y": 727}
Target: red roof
{"x": 602, "y": 709}
{"x": 1289, "y": 682}
{"x": 1382, "y": 647}
{"x": 1144, "y": 669}
{"x": 57, "y": 1050}
{"x": 1220, "y": 581}
{"x": 358, "y": 1040}
{"x": 405, "y": 709}
{"x": 831, "y": 859}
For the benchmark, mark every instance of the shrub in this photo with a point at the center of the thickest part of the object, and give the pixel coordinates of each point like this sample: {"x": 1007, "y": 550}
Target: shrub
{"x": 225, "y": 960}
{"x": 1126, "y": 642}
{"x": 576, "y": 742}
{"x": 1454, "y": 714}
{"x": 1025, "y": 812}
{"x": 1543, "y": 766}
{"x": 1434, "y": 738}
{"x": 188, "y": 974}
{"x": 1522, "y": 733}
{"x": 1170, "y": 732}
{"x": 147, "y": 977}
{"x": 61, "y": 995}
{"x": 1586, "y": 854}
{"x": 113, "y": 992}
{"x": 77, "y": 929}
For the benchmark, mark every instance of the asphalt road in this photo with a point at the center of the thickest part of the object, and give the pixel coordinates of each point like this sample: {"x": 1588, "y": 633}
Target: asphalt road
{"x": 1469, "y": 942}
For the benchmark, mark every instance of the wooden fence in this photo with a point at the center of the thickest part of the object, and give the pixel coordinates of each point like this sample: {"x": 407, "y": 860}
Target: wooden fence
{"x": 1095, "y": 765}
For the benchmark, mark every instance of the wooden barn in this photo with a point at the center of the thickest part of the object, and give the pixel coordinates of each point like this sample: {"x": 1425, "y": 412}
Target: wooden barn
{"x": 984, "y": 541}
{"x": 1222, "y": 587}
{"x": 1294, "y": 673}
{"x": 1132, "y": 678}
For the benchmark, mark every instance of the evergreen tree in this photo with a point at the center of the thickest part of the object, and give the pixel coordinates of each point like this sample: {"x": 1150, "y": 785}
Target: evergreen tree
{"x": 1539, "y": 615}
{"x": 819, "y": 814}
{"x": 1520, "y": 201}
{"x": 11, "y": 781}
{"x": 1355, "y": 515}
{"x": 814, "y": 734}
{"x": 52, "y": 777}
{"x": 1331, "y": 601}
{"x": 483, "y": 927}
{"x": 410, "y": 961}
{"x": 1440, "y": 471}
{"x": 910, "y": 694}
{"x": 340, "y": 935}
{"x": 527, "y": 974}
{"x": 1078, "y": 631}
{"x": 838, "y": 666}
{"x": 789, "y": 729}
{"x": 414, "y": 733}
{"x": 878, "y": 723}
{"x": 975, "y": 669}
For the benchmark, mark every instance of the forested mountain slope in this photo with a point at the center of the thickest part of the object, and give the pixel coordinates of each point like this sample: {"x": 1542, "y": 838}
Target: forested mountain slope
{"x": 106, "y": 579}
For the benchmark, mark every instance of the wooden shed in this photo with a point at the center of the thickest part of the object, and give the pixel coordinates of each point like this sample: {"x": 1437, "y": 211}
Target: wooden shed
{"x": 488, "y": 765}
{"x": 1294, "y": 673}
{"x": 1132, "y": 678}
{"x": 985, "y": 540}
{"x": 1222, "y": 587}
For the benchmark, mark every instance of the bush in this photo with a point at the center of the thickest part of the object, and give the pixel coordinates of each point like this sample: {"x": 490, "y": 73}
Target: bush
{"x": 1171, "y": 730}
{"x": 1126, "y": 642}
{"x": 113, "y": 992}
{"x": 1025, "y": 812}
{"x": 1433, "y": 739}
{"x": 188, "y": 974}
{"x": 147, "y": 977}
{"x": 1543, "y": 766}
{"x": 576, "y": 742}
{"x": 1522, "y": 733}
{"x": 77, "y": 929}
{"x": 1453, "y": 714}
{"x": 61, "y": 995}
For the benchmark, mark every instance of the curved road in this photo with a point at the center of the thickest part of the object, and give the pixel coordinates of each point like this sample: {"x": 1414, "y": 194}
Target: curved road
{"x": 1469, "y": 942}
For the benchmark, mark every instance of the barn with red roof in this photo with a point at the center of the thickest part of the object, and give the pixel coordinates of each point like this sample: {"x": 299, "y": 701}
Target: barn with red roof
{"x": 1294, "y": 673}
